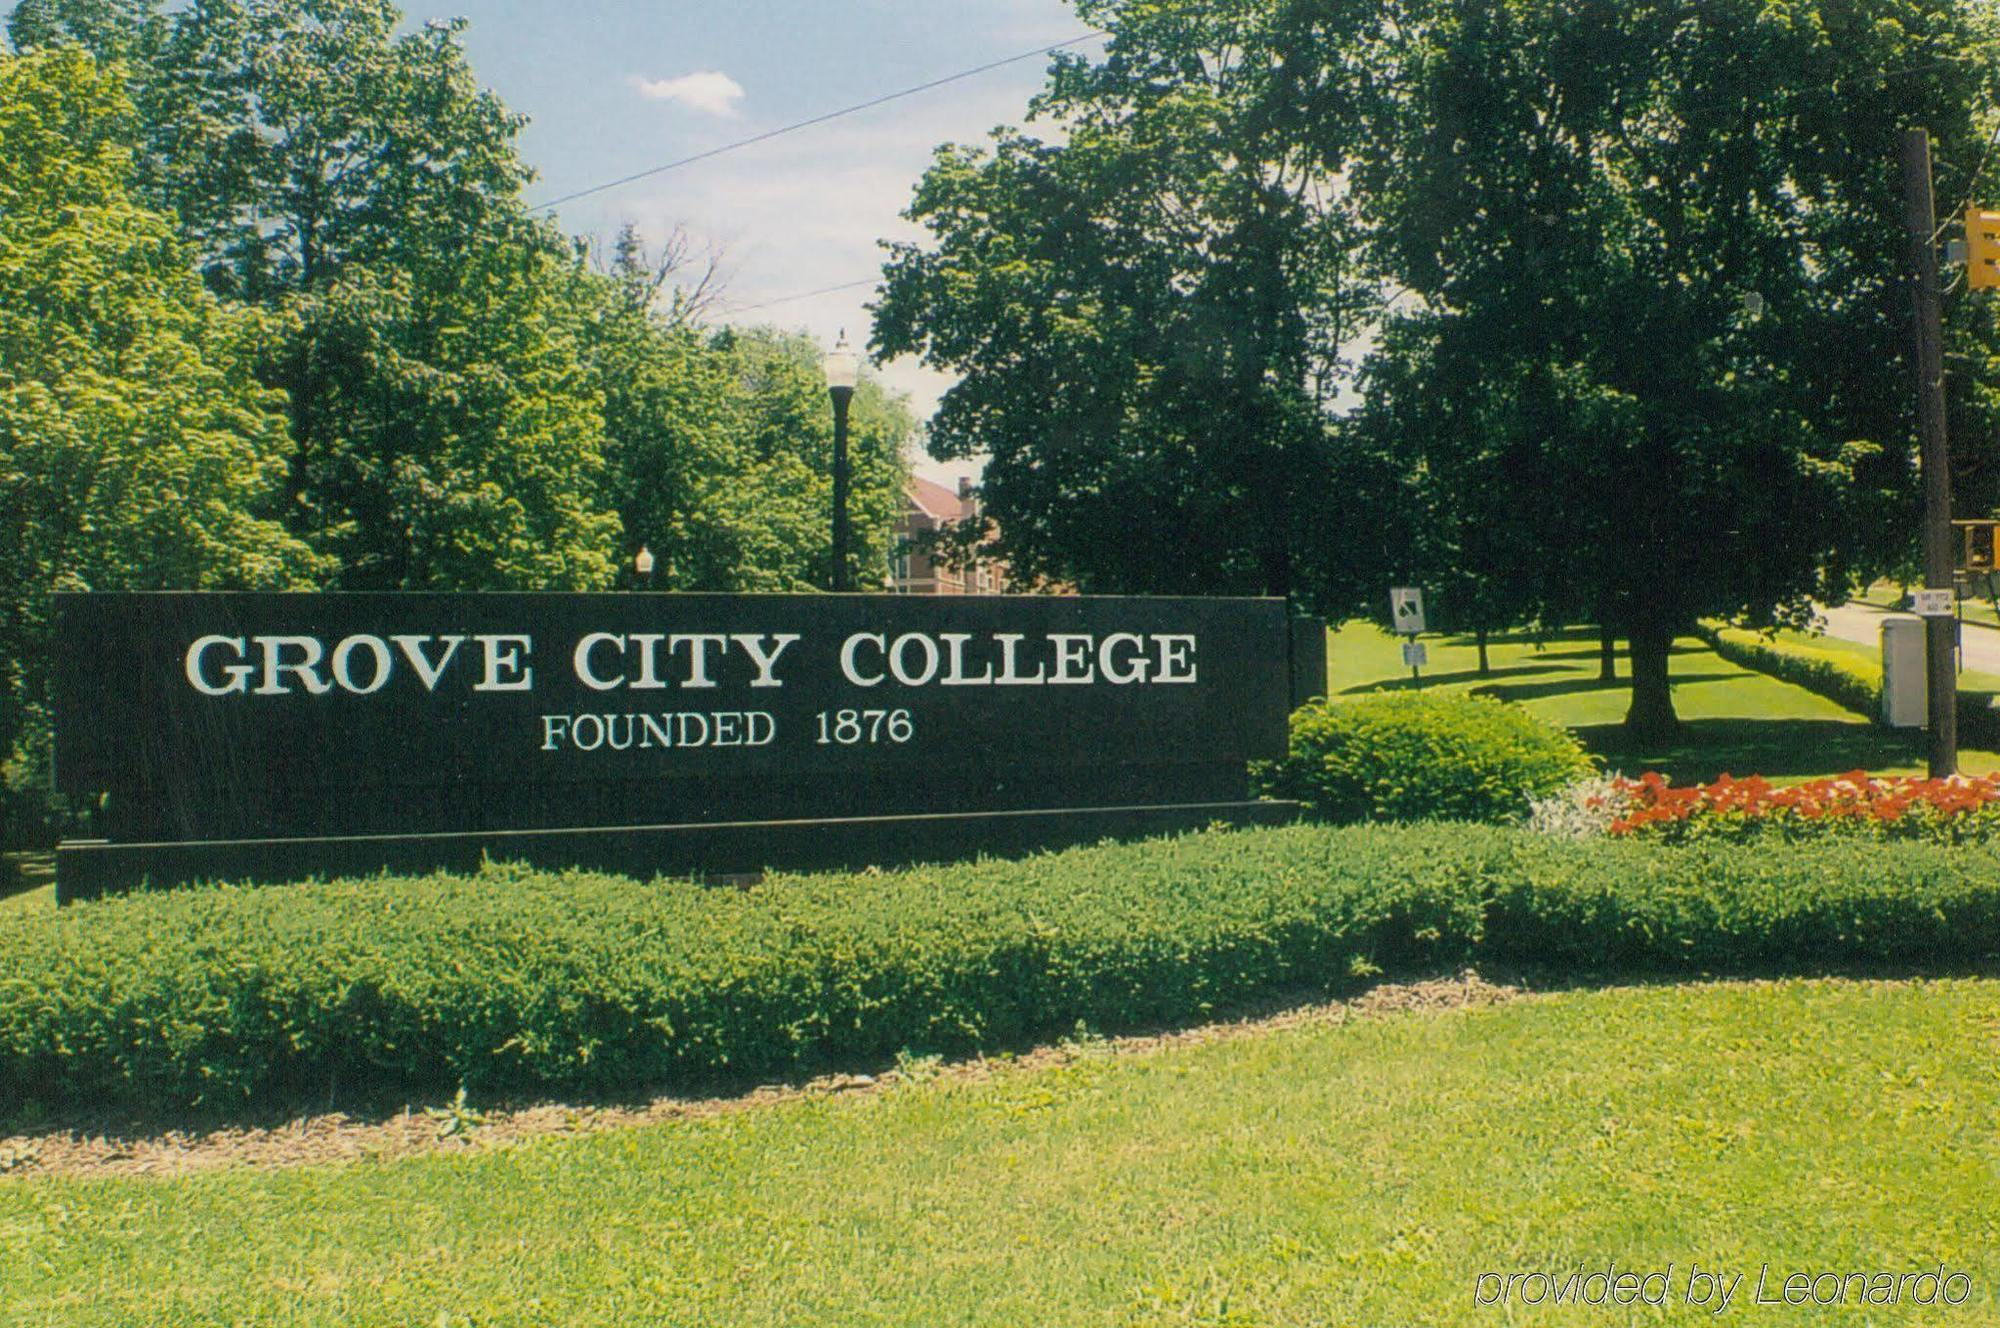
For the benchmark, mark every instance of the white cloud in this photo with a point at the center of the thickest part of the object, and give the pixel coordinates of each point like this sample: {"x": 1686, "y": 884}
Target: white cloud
{"x": 709, "y": 91}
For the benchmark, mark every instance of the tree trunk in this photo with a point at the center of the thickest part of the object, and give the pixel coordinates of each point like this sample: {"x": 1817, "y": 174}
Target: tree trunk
{"x": 1485, "y": 669}
{"x": 1651, "y": 718}
{"x": 1607, "y": 654}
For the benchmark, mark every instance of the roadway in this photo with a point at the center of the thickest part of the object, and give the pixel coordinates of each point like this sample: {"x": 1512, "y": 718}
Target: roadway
{"x": 1863, "y": 623}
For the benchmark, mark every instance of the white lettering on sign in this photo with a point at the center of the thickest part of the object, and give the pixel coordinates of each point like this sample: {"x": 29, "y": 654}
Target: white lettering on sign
{"x": 899, "y": 660}
{"x": 379, "y": 669}
{"x": 1073, "y": 659}
{"x": 204, "y": 670}
{"x": 1136, "y": 666}
{"x": 427, "y": 672}
{"x": 197, "y": 669}
{"x": 955, "y": 675}
{"x": 305, "y": 667}
{"x": 1176, "y": 659}
{"x": 680, "y": 730}
{"x": 849, "y": 667}
{"x": 765, "y": 657}
{"x": 916, "y": 659}
{"x": 1010, "y": 672}
{"x": 365, "y": 664}
{"x": 506, "y": 667}
{"x": 697, "y": 644}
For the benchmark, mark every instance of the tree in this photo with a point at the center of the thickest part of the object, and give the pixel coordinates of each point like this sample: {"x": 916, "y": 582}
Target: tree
{"x": 1581, "y": 195}
{"x": 137, "y": 449}
{"x": 719, "y": 448}
{"x": 782, "y": 481}
{"x": 360, "y": 185}
{"x": 1146, "y": 314}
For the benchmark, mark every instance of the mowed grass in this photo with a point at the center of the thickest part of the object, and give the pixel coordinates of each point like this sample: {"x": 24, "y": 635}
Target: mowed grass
{"x": 1969, "y": 680}
{"x": 1734, "y": 720}
{"x": 1364, "y": 1173}
{"x": 27, "y": 881}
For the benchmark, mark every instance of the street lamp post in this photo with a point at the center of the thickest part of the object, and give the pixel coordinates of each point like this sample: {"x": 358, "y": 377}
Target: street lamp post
{"x": 843, "y": 371}
{"x": 643, "y": 565}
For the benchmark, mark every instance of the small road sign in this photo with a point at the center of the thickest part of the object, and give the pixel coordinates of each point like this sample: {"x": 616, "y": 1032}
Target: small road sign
{"x": 1416, "y": 654}
{"x": 1406, "y": 608}
{"x": 1934, "y": 603}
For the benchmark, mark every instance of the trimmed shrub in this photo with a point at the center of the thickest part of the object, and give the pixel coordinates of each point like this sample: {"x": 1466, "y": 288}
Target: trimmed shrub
{"x": 1848, "y": 682}
{"x": 1757, "y": 908}
{"x": 512, "y": 982}
{"x": 1409, "y": 756}
{"x": 517, "y": 982}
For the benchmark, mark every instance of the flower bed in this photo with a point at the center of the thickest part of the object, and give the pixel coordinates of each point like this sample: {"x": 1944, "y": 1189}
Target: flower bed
{"x": 1964, "y": 809}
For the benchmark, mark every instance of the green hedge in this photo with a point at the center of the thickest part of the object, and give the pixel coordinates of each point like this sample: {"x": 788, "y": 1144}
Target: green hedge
{"x": 1412, "y": 756}
{"x": 512, "y": 982}
{"x": 1849, "y": 682}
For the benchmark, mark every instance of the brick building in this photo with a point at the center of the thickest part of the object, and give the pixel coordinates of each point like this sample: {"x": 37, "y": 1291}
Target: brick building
{"x": 930, "y": 506}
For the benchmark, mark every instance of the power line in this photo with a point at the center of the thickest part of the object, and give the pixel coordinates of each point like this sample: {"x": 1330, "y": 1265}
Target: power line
{"x": 804, "y": 295}
{"x": 815, "y": 120}
{"x": 1877, "y": 76}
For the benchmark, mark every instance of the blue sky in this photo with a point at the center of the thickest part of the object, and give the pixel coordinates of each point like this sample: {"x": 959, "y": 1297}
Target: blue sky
{"x": 615, "y": 86}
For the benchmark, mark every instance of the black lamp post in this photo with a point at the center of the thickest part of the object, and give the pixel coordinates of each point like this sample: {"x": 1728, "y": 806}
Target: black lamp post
{"x": 643, "y": 565}
{"x": 843, "y": 370}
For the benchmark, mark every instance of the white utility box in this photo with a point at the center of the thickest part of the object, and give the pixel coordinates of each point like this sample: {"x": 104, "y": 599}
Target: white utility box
{"x": 1905, "y": 674}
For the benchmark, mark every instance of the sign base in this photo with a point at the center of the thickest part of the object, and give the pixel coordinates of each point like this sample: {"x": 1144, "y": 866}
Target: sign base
{"x": 88, "y": 869}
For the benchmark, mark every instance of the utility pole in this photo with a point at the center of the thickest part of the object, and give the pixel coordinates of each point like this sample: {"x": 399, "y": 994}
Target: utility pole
{"x": 1921, "y": 222}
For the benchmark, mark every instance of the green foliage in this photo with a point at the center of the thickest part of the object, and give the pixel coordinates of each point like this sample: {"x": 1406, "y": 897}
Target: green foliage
{"x": 1838, "y": 676}
{"x": 1145, "y": 305}
{"x": 1743, "y": 907}
{"x": 1419, "y": 756}
{"x": 1841, "y": 677}
{"x": 513, "y": 981}
{"x": 137, "y": 449}
{"x": 720, "y": 448}
{"x": 517, "y": 982}
{"x": 771, "y": 530}
{"x": 1582, "y": 197}
{"x": 470, "y": 405}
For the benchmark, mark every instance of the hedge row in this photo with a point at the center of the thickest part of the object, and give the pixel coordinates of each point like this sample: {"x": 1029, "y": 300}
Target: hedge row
{"x": 1842, "y": 678}
{"x": 512, "y": 982}
{"x": 1848, "y": 682}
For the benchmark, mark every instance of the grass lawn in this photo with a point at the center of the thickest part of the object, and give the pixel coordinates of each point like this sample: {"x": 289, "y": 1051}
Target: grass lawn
{"x": 1734, "y": 720}
{"x": 31, "y": 881}
{"x": 1323, "y": 1174}
{"x": 1969, "y": 680}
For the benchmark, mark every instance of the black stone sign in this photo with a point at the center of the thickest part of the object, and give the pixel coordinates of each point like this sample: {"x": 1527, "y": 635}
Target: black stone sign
{"x": 346, "y": 722}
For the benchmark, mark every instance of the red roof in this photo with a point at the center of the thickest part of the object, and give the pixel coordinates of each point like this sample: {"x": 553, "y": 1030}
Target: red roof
{"x": 936, "y": 501}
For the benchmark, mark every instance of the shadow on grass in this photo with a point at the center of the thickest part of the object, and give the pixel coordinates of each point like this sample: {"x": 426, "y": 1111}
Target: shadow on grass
{"x": 1538, "y": 691}
{"x": 22, "y": 872}
{"x": 1447, "y": 679}
{"x": 1773, "y": 748}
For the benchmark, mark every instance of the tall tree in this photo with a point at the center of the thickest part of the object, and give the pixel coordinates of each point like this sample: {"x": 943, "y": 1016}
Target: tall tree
{"x": 137, "y": 449}
{"x": 1145, "y": 308}
{"x": 778, "y": 534}
{"x": 359, "y": 184}
{"x": 1582, "y": 193}
{"x": 719, "y": 446}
